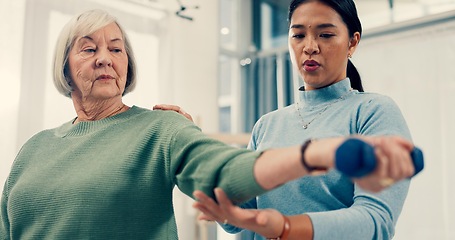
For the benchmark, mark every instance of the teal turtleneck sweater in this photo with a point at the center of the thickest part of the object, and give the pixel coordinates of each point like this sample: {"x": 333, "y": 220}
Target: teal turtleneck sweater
{"x": 338, "y": 209}
{"x": 113, "y": 178}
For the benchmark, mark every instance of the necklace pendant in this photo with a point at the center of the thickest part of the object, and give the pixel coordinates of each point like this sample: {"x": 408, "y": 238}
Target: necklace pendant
{"x": 305, "y": 126}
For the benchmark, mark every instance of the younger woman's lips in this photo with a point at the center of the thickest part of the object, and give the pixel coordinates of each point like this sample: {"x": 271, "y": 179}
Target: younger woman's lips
{"x": 310, "y": 68}
{"x": 310, "y": 65}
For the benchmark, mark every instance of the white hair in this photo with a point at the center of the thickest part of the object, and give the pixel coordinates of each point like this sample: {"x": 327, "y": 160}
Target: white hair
{"x": 84, "y": 25}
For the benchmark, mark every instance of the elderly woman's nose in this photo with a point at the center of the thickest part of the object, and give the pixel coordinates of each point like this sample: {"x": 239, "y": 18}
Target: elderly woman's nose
{"x": 103, "y": 59}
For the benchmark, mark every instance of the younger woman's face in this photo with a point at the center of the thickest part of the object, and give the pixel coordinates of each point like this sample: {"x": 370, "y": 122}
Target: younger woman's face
{"x": 320, "y": 44}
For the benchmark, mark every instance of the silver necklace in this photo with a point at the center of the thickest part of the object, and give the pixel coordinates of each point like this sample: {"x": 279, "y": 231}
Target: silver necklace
{"x": 305, "y": 125}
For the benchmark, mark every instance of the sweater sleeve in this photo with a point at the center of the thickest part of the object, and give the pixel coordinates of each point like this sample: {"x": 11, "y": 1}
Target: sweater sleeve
{"x": 372, "y": 216}
{"x": 198, "y": 162}
{"x": 4, "y": 223}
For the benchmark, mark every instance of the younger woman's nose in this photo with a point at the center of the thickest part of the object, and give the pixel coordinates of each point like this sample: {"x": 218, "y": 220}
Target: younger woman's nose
{"x": 311, "y": 46}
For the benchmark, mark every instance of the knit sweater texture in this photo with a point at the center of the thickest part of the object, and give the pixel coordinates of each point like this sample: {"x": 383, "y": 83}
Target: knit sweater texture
{"x": 113, "y": 178}
{"x": 338, "y": 208}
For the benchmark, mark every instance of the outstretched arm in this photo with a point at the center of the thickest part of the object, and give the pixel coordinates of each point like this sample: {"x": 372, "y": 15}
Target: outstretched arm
{"x": 392, "y": 153}
{"x": 393, "y": 158}
{"x": 321, "y": 156}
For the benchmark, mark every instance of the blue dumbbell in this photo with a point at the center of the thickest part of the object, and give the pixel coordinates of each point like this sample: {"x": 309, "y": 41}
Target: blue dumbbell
{"x": 356, "y": 158}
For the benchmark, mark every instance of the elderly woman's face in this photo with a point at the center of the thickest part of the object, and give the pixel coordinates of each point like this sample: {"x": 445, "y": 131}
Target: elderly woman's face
{"x": 99, "y": 64}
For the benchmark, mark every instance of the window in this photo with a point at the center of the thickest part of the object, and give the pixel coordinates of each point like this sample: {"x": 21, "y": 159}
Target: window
{"x": 271, "y": 20}
{"x": 229, "y": 67}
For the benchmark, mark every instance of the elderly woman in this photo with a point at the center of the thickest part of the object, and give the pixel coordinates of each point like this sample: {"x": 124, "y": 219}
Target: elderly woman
{"x": 109, "y": 172}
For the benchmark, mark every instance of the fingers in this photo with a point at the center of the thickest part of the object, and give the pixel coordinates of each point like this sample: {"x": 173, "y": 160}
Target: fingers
{"x": 219, "y": 211}
{"x": 394, "y": 163}
{"x": 173, "y": 108}
{"x": 267, "y": 222}
{"x": 166, "y": 107}
{"x": 379, "y": 140}
{"x": 395, "y": 158}
{"x": 202, "y": 216}
{"x": 383, "y": 170}
{"x": 382, "y": 163}
{"x": 403, "y": 143}
{"x": 205, "y": 213}
{"x": 208, "y": 202}
{"x": 222, "y": 198}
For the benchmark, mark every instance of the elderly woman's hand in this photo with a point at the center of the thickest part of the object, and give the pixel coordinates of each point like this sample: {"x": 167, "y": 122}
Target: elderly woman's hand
{"x": 173, "y": 108}
{"x": 267, "y": 222}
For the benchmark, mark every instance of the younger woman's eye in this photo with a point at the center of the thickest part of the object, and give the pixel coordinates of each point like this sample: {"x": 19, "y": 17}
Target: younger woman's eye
{"x": 326, "y": 35}
{"x": 298, "y": 36}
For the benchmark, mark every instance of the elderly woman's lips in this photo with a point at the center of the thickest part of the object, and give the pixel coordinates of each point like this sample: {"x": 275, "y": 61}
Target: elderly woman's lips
{"x": 104, "y": 77}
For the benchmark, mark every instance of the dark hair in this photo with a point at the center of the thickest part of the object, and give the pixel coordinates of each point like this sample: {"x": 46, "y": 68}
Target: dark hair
{"x": 348, "y": 12}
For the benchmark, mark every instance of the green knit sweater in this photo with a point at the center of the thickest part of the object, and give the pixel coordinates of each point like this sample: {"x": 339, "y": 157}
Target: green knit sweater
{"x": 113, "y": 178}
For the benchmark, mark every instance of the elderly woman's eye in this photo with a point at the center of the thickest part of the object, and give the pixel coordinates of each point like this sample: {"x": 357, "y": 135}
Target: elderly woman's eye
{"x": 117, "y": 50}
{"x": 88, "y": 50}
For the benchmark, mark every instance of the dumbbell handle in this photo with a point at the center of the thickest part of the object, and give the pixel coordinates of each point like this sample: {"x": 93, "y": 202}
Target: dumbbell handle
{"x": 356, "y": 158}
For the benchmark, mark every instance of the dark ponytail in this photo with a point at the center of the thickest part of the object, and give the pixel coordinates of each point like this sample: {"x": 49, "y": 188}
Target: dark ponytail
{"x": 354, "y": 76}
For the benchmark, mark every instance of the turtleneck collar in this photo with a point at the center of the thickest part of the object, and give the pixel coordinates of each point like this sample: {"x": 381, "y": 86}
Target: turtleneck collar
{"x": 325, "y": 94}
